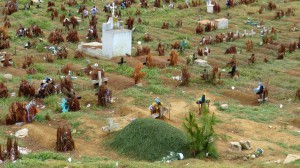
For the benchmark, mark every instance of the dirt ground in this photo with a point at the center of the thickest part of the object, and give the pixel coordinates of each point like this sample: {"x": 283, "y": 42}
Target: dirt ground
{"x": 43, "y": 136}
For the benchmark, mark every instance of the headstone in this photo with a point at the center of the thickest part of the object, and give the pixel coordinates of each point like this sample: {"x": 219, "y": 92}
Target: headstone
{"x": 235, "y": 146}
{"x": 210, "y": 7}
{"x": 246, "y": 145}
{"x": 291, "y": 158}
{"x": 221, "y": 23}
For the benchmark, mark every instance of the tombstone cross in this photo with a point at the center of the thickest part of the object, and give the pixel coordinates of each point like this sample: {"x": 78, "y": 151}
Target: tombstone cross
{"x": 113, "y": 7}
{"x": 100, "y": 79}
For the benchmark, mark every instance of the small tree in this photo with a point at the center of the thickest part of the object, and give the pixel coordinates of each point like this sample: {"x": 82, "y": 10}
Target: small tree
{"x": 201, "y": 135}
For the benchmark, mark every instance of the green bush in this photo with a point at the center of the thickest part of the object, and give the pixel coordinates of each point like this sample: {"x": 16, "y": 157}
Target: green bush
{"x": 149, "y": 139}
{"x": 201, "y": 138}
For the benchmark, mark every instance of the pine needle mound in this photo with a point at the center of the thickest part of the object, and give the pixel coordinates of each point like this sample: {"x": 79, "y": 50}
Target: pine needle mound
{"x": 149, "y": 139}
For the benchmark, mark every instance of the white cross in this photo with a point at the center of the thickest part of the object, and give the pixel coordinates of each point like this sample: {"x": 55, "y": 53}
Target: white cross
{"x": 113, "y": 9}
{"x": 100, "y": 79}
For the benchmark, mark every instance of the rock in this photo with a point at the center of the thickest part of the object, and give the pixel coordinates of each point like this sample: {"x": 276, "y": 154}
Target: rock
{"x": 8, "y": 77}
{"x": 235, "y": 146}
{"x": 291, "y": 158}
{"x": 13, "y": 94}
{"x": 246, "y": 145}
{"x": 224, "y": 106}
{"x": 22, "y": 133}
{"x": 178, "y": 78}
{"x": 180, "y": 156}
{"x": 139, "y": 84}
{"x": 24, "y": 151}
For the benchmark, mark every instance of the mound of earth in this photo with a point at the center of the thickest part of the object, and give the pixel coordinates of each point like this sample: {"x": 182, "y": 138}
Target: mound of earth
{"x": 149, "y": 139}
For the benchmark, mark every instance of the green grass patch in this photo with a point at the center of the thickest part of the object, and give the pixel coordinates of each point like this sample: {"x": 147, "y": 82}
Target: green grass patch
{"x": 141, "y": 98}
{"x": 265, "y": 113}
{"x": 149, "y": 139}
{"x": 52, "y": 101}
{"x": 75, "y": 124}
{"x": 45, "y": 155}
{"x": 295, "y": 147}
{"x": 40, "y": 117}
{"x": 297, "y": 162}
{"x": 158, "y": 89}
{"x": 121, "y": 70}
{"x": 70, "y": 115}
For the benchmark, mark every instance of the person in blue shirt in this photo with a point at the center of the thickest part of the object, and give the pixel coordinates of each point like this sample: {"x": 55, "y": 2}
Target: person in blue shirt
{"x": 94, "y": 10}
{"x": 201, "y": 101}
{"x": 260, "y": 89}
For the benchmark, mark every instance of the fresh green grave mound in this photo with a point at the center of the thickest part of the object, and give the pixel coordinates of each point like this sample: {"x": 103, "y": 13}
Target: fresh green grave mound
{"x": 149, "y": 139}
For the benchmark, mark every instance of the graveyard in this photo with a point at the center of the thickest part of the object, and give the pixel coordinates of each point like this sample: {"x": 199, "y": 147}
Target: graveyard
{"x": 174, "y": 83}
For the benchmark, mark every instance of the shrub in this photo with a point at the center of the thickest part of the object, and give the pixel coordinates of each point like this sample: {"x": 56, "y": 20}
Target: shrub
{"x": 201, "y": 138}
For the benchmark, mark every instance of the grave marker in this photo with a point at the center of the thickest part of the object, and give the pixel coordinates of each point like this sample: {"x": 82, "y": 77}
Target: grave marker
{"x": 210, "y": 7}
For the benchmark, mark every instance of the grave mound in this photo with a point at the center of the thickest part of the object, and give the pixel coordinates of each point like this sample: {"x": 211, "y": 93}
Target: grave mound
{"x": 149, "y": 139}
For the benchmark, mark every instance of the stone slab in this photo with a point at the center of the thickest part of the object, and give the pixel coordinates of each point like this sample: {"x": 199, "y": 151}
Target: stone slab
{"x": 221, "y": 23}
{"x": 201, "y": 62}
{"x": 291, "y": 158}
{"x": 93, "y": 49}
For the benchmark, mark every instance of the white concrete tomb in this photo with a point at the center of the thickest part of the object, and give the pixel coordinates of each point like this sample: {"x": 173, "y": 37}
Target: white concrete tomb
{"x": 116, "y": 41}
{"x": 222, "y": 23}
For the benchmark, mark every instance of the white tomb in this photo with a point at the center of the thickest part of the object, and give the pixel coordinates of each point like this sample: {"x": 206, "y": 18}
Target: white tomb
{"x": 210, "y": 7}
{"x": 222, "y": 23}
{"x": 116, "y": 41}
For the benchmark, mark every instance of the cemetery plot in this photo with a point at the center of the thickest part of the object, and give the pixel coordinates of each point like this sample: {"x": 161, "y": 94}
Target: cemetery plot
{"x": 84, "y": 82}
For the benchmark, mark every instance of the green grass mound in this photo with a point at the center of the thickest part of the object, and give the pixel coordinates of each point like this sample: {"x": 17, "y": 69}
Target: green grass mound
{"x": 149, "y": 139}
